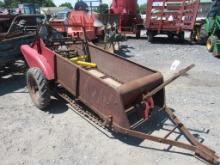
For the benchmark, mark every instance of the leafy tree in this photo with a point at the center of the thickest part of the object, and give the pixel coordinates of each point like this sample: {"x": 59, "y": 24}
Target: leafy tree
{"x": 47, "y": 3}
{"x": 67, "y": 4}
{"x": 2, "y": 4}
{"x": 11, "y": 3}
{"x": 138, "y": 8}
{"x": 14, "y": 3}
{"x": 103, "y": 8}
{"x": 142, "y": 8}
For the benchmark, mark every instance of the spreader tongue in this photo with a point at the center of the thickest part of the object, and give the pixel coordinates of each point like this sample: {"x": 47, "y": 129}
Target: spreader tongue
{"x": 167, "y": 82}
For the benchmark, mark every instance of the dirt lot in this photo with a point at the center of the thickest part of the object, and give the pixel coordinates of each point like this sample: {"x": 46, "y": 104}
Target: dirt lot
{"x": 59, "y": 136}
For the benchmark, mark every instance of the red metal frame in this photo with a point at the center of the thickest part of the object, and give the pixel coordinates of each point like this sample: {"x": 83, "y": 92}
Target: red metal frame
{"x": 40, "y": 56}
{"x": 160, "y": 12}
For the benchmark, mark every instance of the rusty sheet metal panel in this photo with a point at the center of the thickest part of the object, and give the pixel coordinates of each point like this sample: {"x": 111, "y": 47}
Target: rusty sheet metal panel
{"x": 132, "y": 90}
{"x": 130, "y": 75}
{"x": 102, "y": 98}
{"x": 66, "y": 74}
{"x": 117, "y": 67}
{"x": 109, "y": 100}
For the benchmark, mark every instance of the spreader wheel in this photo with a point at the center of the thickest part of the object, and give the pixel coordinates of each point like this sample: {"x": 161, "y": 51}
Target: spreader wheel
{"x": 38, "y": 88}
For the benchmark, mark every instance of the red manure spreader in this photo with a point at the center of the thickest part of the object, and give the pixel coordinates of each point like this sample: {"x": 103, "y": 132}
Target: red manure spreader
{"x": 115, "y": 92}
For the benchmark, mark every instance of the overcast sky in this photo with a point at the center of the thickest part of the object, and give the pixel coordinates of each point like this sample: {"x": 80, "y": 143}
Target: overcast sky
{"x": 58, "y": 2}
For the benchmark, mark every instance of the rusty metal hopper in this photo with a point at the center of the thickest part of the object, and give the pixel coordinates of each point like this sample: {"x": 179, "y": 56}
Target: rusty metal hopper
{"x": 115, "y": 88}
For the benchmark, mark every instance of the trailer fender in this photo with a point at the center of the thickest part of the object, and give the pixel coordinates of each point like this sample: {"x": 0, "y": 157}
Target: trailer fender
{"x": 34, "y": 59}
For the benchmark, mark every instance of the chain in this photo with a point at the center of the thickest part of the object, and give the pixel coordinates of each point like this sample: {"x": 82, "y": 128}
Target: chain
{"x": 83, "y": 112}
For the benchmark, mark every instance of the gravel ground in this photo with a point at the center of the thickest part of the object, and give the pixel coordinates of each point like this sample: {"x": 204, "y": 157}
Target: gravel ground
{"x": 59, "y": 136}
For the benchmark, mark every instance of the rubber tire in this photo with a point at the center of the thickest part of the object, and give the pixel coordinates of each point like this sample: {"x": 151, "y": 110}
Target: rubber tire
{"x": 138, "y": 34}
{"x": 170, "y": 36}
{"x": 212, "y": 40}
{"x": 150, "y": 37}
{"x": 203, "y": 36}
{"x": 181, "y": 37}
{"x": 35, "y": 79}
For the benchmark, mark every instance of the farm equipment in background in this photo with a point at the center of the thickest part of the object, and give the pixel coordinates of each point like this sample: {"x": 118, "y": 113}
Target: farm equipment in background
{"x": 210, "y": 30}
{"x": 213, "y": 29}
{"x": 90, "y": 80}
{"x": 105, "y": 36}
{"x": 60, "y": 21}
{"x": 96, "y": 32}
{"x": 16, "y": 30}
{"x": 28, "y": 8}
{"x": 171, "y": 17}
{"x": 81, "y": 18}
{"x": 216, "y": 49}
{"x": 122, "y": 13}
{"x": 198, "y": 35}
{"x": 129, "y": 21}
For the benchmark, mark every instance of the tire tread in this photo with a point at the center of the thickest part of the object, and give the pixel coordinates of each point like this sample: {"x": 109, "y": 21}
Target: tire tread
{"x": 44, "y": 94}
